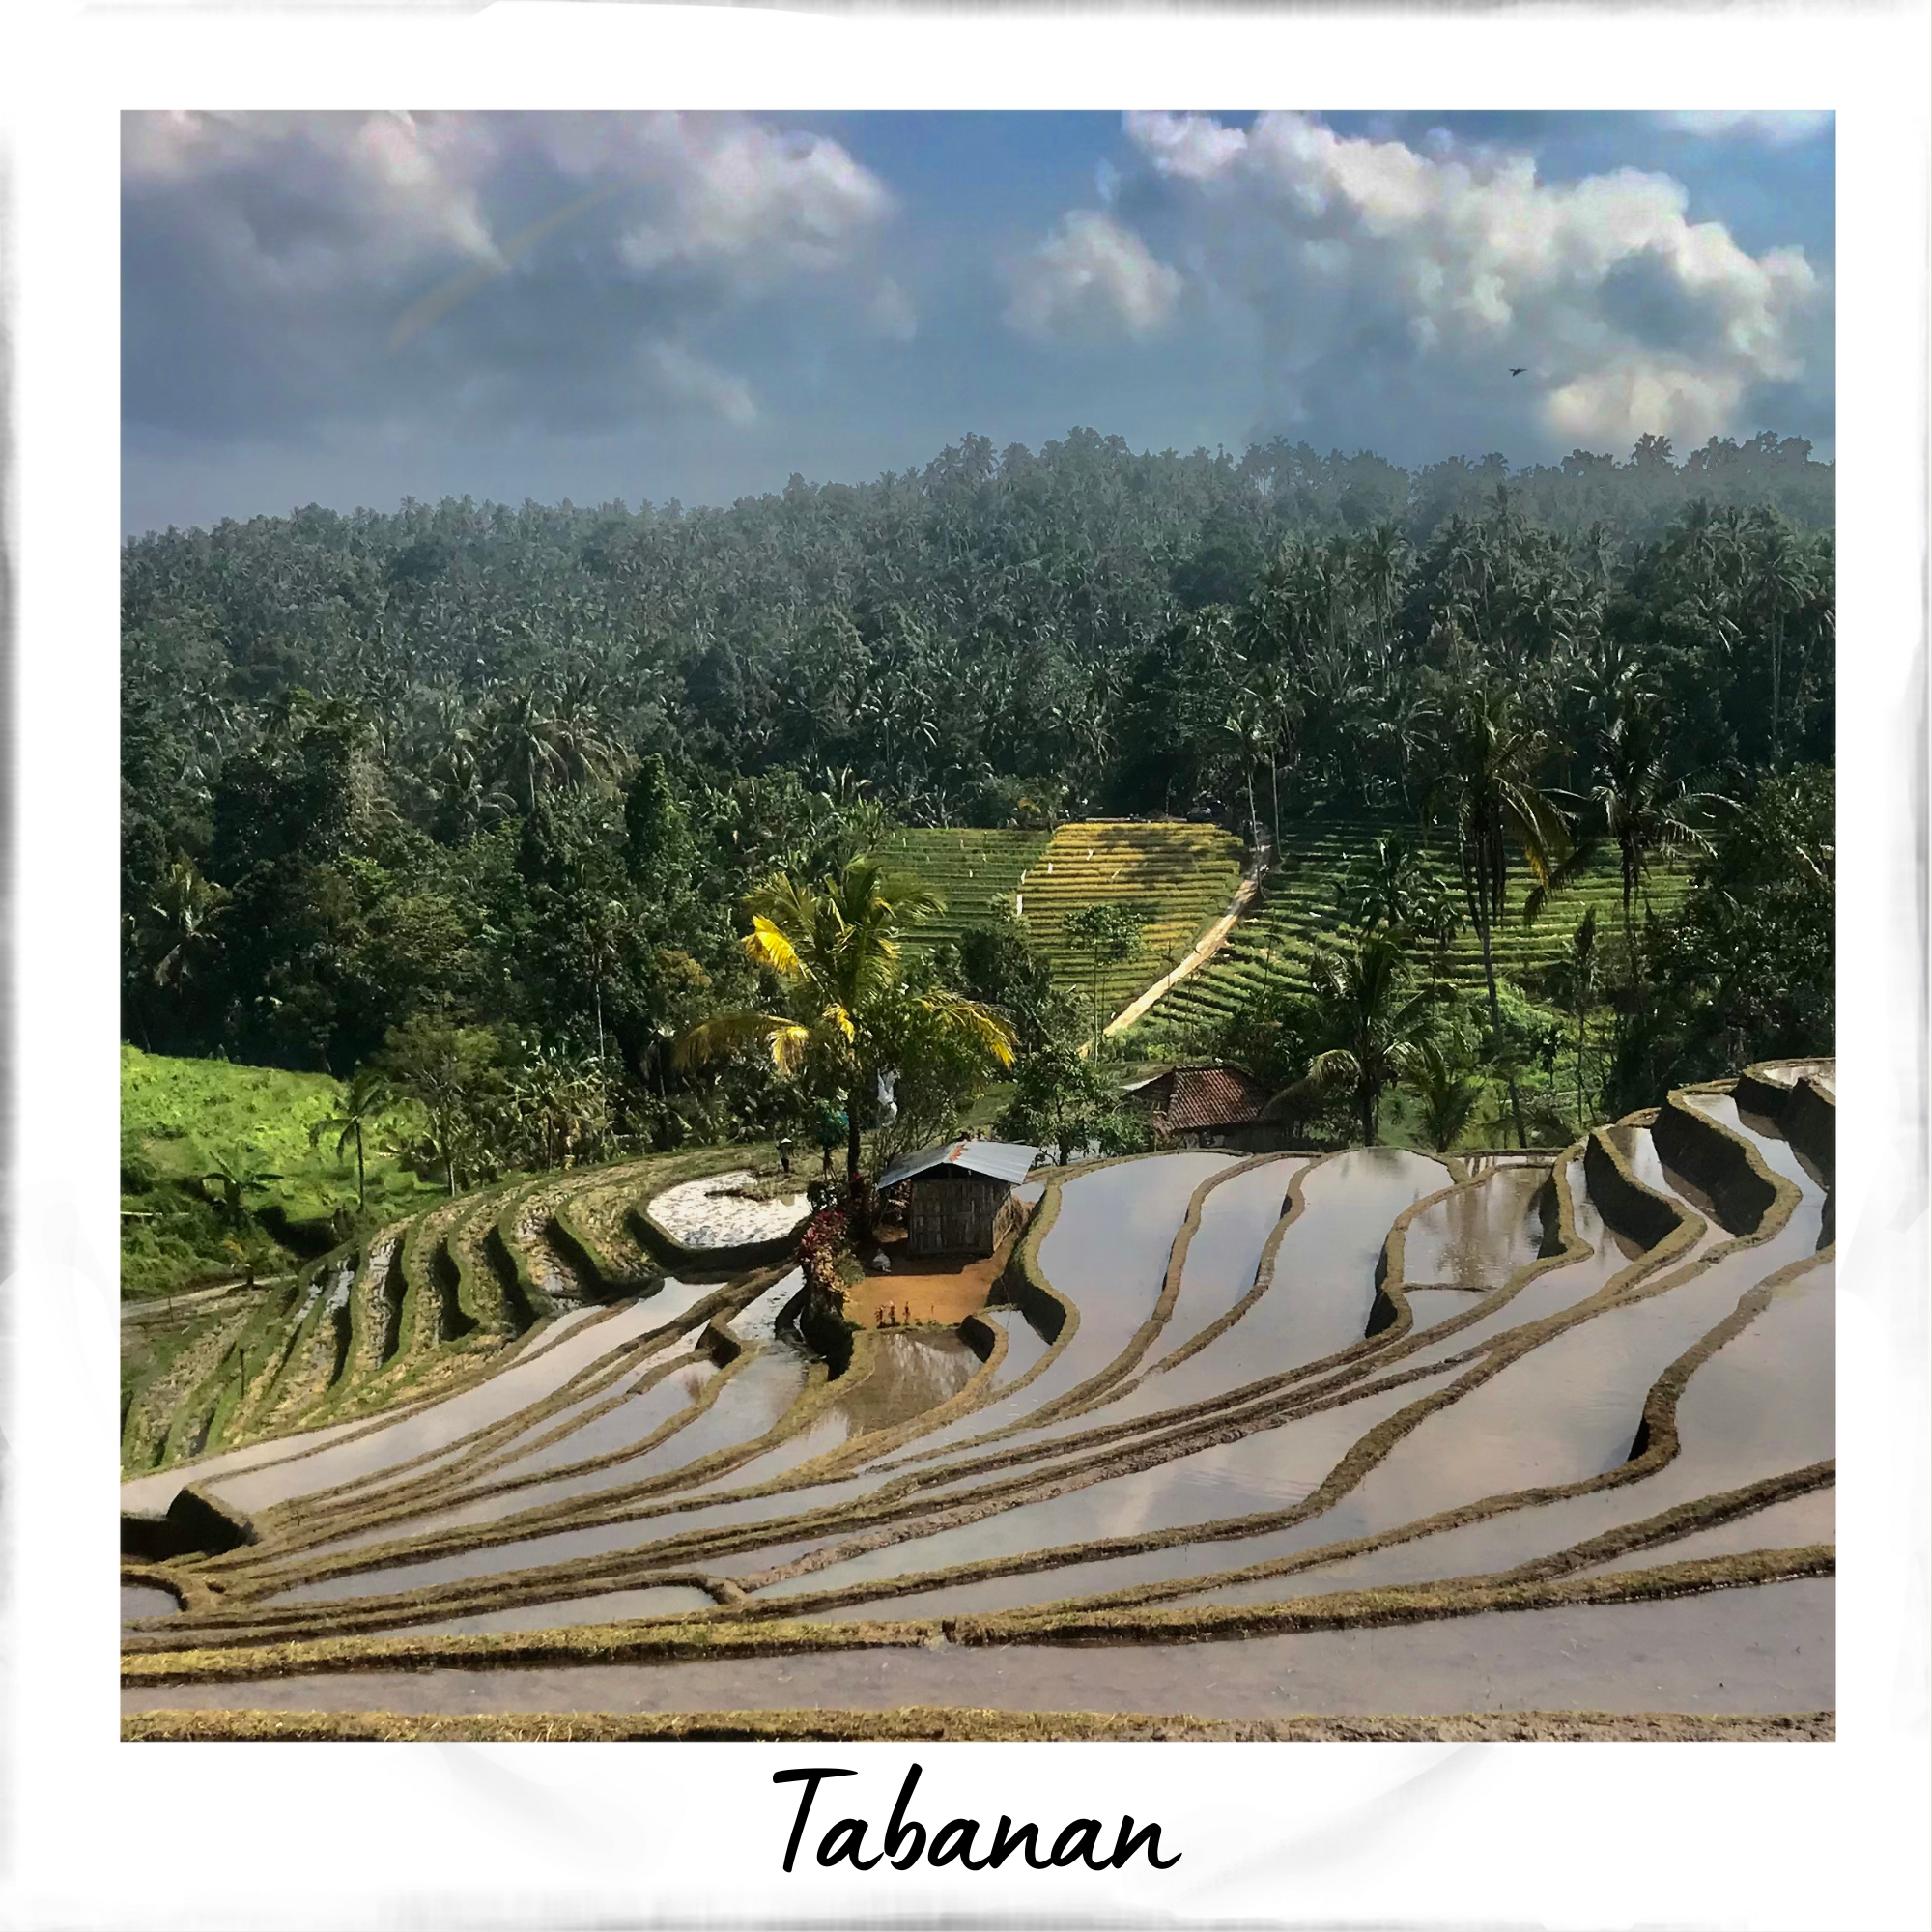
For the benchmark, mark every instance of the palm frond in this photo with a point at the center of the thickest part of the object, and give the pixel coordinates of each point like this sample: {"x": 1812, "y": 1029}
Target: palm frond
{"x": 724, "y": 1033}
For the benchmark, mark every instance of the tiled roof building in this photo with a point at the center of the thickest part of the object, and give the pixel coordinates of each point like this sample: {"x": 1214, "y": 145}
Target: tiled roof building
{"x": 1202, "y": 1102}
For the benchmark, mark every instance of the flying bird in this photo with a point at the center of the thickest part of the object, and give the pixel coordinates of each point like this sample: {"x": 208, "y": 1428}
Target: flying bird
{"x": 1519, "y": 371}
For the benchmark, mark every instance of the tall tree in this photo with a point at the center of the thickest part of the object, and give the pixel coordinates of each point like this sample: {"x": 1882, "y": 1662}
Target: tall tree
{"x": 835, "y": 948}
{"x": 1487, "y": 767}
{"x": 1372, "y": 1027}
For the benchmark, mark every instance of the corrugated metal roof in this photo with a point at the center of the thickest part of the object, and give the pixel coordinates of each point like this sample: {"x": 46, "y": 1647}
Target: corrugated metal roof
{"x": 1001, "y": 1160}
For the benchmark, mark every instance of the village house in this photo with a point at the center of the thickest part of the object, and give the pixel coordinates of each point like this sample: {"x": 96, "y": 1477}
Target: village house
{"x": 1208, "y": 1106}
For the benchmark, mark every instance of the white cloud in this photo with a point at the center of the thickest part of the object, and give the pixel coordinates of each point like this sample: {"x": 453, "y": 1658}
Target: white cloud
{"x": 492, "y": 264}
{"x": 301, "y": 202}
{"x": 1091, "y": 272}
{"x": 729, "y": 191}
{"x": 686, "y": 378}
{"x": 1781, "y": 127}
{"x": 1629, "y": 316}
{"x": 890, "y": 312}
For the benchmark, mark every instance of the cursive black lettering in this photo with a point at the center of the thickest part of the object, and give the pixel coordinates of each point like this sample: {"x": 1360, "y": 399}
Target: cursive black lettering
{"x": 898, "y": 1831}
{"x": 1007, "y": 1841}
{"x": 955, "y": 1841}
{"x": 811, "y": 1776}
{"x": 1147, "y": 1837}
{"x": 907, "y": 1841}
{"x": 843, "y": 1841}
{"x": 1068, "y": 1849}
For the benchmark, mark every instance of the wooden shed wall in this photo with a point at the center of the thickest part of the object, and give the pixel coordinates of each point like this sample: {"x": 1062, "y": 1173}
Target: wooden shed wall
{"x": 953, "y": 1213}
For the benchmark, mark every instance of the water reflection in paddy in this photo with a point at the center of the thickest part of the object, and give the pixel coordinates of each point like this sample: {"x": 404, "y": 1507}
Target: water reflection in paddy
{"x": 1480, "y": 1235}
{"x": 1324, "y": 1281}
{"x": 1567, "y": 1410}
{"x": 439, "y": 1426}
{"x": 1729, "y": 1436}
{"x": 632, "y": 1420}
{"x": 145, "y": 1599}
{"x": 1107, "y": 1254}
{"x": 1237, "y": 1218}
{"x": 1765, "y": 1649}
{"x": 153, "y": 1492}
{"x": 1272, "y": 1469}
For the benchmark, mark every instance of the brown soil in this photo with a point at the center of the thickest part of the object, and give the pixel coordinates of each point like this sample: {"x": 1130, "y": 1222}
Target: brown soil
{"x": 934, "y": 1288}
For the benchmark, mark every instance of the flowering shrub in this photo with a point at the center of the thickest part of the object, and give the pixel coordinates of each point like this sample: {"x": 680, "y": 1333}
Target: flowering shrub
{"x": 823, "y": 1249}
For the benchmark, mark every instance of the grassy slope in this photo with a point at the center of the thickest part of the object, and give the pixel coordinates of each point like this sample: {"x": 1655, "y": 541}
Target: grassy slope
{"x": 178, "y": 1115}
{"x": 1180, "y": 876}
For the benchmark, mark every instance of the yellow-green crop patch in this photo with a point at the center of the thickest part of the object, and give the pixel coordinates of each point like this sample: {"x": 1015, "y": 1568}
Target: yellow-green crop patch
{"x": 1178, "y": 878}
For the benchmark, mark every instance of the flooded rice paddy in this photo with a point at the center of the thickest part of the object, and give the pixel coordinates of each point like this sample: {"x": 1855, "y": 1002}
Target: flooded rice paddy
{"x": 1229, "y": 1415}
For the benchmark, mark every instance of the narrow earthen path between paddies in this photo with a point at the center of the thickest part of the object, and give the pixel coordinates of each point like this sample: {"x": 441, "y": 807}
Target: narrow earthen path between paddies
{"x": 1206, "y": 947}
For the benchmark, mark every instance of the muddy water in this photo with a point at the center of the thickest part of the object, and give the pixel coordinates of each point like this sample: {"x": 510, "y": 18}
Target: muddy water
{"x": 1107, "y": 1254}
{"x": 155, "y": 1492}
{"x": 632, "y": 1420}
{"x": 1768, "y": 1649}
{"x": 912, "y": 1373}
{"x": 1024, "y": 1347}
{"x": 613, "y": 1606}
{"x": 144, "y": 1599}
{"x": 1272, "y": 1469}
{"x": 753, "y": 1400}
{"x": 1730, "y": 1435}
{"x": 1479, "y": 1235}
{"x": 1793, "y": 1524}
{"x": 526, "y": 1379}
{"x": 1237, "y": 1218}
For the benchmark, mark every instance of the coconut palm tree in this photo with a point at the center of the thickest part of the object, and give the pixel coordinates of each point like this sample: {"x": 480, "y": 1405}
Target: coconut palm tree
{"x": 179, "y": 929}
{"x": 1642, "y": 811}
{"x": 1488, "y": 763}
{"x": 369, "y": 1097}
{"x": 1373, "y": 1027}
{"x": 834, "y": 949}
{"x": 1448, "y": 1096}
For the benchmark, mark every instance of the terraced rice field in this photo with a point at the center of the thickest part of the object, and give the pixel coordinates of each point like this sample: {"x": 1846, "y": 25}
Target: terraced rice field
{"x": 1180, "y": 877}
{"x": 426, "y": 1305}
{"x": 1295, "y": 914}
{"x": 1285, "y": 1446}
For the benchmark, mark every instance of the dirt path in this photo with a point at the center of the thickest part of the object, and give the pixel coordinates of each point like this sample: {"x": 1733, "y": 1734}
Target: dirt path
{"x": 1206, "y": 947}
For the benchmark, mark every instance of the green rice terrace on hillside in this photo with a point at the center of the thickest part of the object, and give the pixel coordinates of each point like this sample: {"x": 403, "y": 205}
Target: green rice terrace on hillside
{"x": 1371, "y": 1443}
{"x": 182, "y": 1119}
{"x": 424, "y": 1304}
{"x": 1296, "y": 913}
{"x": 1180, "y": 877}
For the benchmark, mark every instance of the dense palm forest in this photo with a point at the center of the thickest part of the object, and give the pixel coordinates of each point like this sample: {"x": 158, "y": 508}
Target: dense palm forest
{"x": 473, "y": 795}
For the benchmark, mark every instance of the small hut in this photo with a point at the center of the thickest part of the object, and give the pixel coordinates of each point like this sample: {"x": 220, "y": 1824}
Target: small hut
{"x": 959, "y": 1194}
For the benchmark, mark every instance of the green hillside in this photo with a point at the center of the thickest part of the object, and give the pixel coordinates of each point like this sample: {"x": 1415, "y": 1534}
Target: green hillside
{"x": 182, "y": 1119}
{"x": 1296, "y": 912}
{"x": 1181, "y": 878}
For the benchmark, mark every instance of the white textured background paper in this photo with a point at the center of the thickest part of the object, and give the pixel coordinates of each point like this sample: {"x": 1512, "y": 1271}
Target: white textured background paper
{"x": 102, "y": 1834}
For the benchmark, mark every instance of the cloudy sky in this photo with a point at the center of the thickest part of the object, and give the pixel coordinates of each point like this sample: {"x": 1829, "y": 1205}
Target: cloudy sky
{"x": 349, "y": 309}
